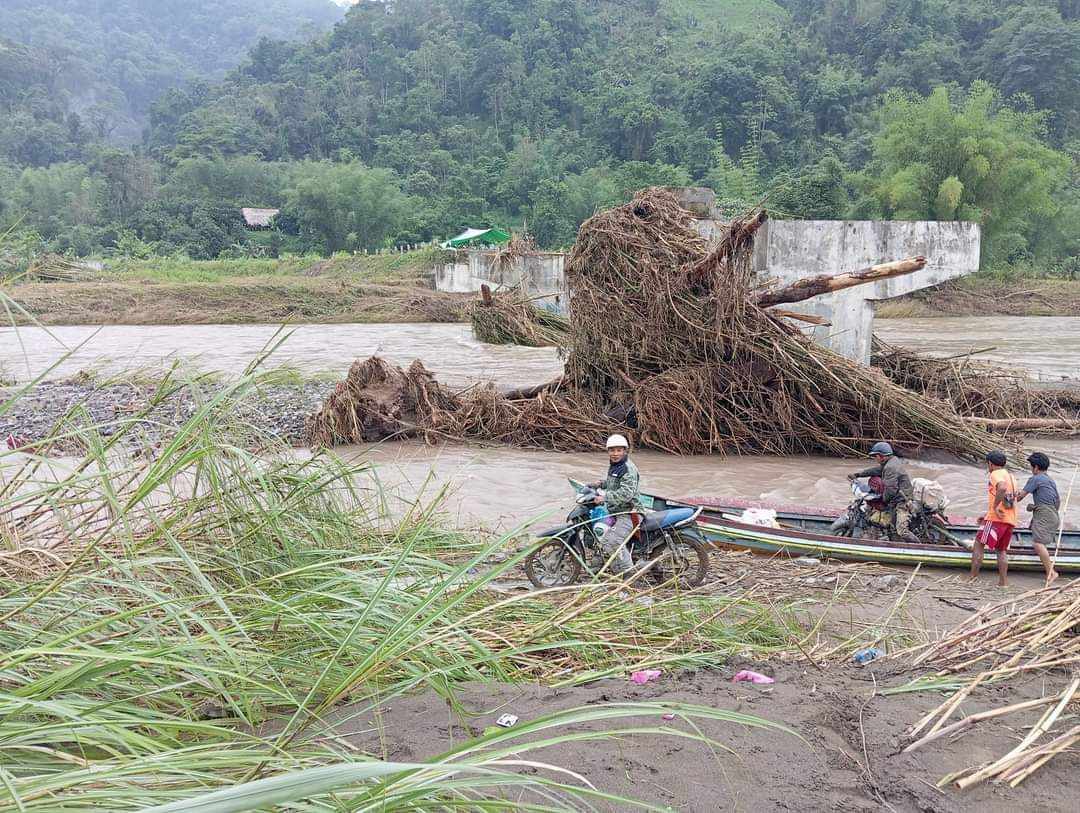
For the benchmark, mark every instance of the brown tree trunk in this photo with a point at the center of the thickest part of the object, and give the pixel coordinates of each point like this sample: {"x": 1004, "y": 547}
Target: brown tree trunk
{"x": 810, "y": 318}
{"x": 519, "y": 393}
{"x": 827, "y": 283}
{"x": 1026, "y": 424}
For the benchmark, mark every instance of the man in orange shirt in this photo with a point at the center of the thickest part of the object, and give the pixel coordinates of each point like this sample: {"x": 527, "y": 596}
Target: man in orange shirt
{"x": 997, "y": 526}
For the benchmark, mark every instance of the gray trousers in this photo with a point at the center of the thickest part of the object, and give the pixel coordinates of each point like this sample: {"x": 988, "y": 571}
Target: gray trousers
{"x": 613, "y": 543}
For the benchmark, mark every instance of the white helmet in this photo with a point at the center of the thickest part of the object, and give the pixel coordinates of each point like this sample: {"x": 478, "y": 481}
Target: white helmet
{"x": 617, "y": 442}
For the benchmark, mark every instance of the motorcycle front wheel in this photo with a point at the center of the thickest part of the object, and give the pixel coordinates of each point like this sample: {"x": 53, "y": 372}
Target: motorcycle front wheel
{"x": 553, "y": 564}
{"x": 682, "y": 561}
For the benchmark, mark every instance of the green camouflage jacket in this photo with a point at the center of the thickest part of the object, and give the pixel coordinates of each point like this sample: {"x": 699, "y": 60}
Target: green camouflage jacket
{"x": 621, "y": 493}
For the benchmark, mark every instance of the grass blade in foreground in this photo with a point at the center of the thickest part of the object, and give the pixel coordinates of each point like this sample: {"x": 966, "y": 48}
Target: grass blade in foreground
{"x": 194, "y": 603}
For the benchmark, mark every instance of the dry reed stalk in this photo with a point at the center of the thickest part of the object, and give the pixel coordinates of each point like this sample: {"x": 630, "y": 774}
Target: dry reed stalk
{"x": 972, "y": 719}
{"x": 57, "y": 268}
{"x": 976, "y": 389}
{"x": 1018, "y": 752}
{"x": 1024, "y": 767}
{"x": 1036, "y": 630}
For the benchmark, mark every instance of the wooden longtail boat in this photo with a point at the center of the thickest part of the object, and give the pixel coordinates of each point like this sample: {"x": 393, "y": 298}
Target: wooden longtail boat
{"x": 805, "y": 532}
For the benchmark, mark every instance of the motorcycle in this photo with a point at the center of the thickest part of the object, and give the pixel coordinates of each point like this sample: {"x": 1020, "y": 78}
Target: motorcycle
{"x": 667, "y": 547}
{"x": 867, "y": 516}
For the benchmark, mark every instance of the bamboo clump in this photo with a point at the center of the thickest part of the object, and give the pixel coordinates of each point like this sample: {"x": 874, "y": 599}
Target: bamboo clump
{"x": 1039, "y": 630}
{"x": 667, "y": 343}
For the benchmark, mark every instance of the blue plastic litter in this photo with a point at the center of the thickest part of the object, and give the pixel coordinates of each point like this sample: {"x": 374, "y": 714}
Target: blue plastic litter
{"x": 867, "y": 655}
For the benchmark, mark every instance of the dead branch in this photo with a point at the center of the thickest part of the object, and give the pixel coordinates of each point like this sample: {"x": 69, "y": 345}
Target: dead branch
{"x": 829, "y": 283}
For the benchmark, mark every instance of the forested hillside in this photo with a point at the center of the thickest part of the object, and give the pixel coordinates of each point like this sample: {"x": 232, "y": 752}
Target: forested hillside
{"x": 414, "y": 118}
{"x": 107, "y": 61}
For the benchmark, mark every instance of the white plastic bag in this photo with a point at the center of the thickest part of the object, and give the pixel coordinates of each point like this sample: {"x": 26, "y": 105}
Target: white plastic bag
{"x": 760, "y": 516}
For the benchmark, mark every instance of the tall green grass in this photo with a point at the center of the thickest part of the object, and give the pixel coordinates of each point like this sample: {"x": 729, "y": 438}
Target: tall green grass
{"x": 179, "y": 622}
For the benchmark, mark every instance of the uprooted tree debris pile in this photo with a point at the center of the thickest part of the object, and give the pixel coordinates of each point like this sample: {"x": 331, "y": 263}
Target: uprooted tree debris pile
{"x": 985, "y": 393}
{"x": 672, "y": 344}
{"x": 511, "y": 319}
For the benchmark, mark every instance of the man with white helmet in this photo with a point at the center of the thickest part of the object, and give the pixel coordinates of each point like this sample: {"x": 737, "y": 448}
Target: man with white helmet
{"x": 898, "y": 490}
{"x": 619, "y": 493}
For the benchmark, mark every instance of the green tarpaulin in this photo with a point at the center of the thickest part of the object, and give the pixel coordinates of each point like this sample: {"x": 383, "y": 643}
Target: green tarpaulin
{"x": 472, "y": 237}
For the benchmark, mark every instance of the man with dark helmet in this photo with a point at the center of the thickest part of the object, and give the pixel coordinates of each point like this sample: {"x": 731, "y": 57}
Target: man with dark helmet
{"x": 897, "y": 482}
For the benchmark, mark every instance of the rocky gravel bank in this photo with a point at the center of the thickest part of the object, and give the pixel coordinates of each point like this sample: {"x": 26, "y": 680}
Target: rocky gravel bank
{"x": 275, "y": 411}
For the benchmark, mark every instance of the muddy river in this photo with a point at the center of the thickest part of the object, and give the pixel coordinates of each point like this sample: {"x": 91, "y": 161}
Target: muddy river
{"x": 1048, "y": 347}
{"x": 449, "y": 350}
{"x": 502, "y": 488}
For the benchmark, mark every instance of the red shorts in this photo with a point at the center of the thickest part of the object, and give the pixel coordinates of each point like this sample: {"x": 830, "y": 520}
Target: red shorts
{"x": 995, "y": 535}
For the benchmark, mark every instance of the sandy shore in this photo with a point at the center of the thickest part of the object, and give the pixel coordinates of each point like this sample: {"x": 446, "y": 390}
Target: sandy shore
{"x": 845, "y": 730}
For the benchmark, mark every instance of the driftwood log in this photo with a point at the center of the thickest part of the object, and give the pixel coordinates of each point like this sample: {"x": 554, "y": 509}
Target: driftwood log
{"x": 828, "y": 283}
{"x": 809, "y": 318}
{"x": 1026, "y": 424}
{"x": 518, "y": 393}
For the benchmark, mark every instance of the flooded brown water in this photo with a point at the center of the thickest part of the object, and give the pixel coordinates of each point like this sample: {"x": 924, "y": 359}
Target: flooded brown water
{"x": 449, "y": 350}
{"x": 1046, "y": 347}
{"x": 503, "y": 488}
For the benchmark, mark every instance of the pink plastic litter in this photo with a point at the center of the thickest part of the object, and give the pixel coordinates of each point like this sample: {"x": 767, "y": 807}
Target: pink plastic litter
{"x": 644, "y": 676}
{"x": 668, "y": 717}
{"x": 753, "y": 677}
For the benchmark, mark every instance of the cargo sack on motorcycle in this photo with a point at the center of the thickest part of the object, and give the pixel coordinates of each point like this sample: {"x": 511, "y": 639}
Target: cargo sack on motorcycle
{"x": 929, "y": 493}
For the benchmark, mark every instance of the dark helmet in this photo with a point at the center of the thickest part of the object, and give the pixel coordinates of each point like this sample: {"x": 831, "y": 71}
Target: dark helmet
{"x": 1039, "y": 460}
{"x": 881, "y": 447}
{"x": 996, "y": 458}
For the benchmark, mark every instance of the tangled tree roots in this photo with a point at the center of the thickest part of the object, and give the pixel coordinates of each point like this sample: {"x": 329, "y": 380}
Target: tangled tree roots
{"x": 669, "y": 344}
{"x": 378, "y": 401}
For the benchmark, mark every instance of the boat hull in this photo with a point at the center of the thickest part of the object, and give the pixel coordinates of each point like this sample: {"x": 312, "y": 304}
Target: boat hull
{"x": 801, "y": 534}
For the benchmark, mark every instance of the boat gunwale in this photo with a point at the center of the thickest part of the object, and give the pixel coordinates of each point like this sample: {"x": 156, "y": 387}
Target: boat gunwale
{"x": 712, "y": 515}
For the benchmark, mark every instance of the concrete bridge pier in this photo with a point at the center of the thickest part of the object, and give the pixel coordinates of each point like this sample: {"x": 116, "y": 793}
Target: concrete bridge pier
{"x": 793, "y": 249}
{"x": 790, "y": 250}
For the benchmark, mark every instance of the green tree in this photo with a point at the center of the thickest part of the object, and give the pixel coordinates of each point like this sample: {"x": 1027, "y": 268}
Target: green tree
{"x": 631, "y": 176}
{"x": 53, "y": 200}
{"x": 201, "y": 230}
{"x": 972, "y": 159}
{"x": 345, "y": 206}
{"x": 1036, "y": 52}
{"x": 817, "y": 193}
{"x": 551, "y": 220}
{"x": 241, "y": 181}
